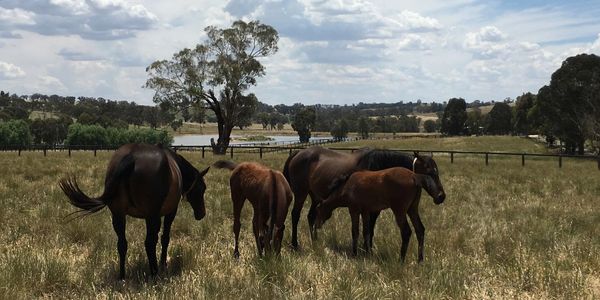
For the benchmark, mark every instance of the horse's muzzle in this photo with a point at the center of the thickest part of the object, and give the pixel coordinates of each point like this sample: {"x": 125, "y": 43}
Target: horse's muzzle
{"x": 440, "y": 198}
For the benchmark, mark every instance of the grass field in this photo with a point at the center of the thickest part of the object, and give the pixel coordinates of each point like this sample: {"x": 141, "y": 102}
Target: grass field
{"x": 505, "y": 231}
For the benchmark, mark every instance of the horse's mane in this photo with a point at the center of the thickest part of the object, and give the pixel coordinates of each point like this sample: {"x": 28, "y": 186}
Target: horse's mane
{"x": 379, "y": 159}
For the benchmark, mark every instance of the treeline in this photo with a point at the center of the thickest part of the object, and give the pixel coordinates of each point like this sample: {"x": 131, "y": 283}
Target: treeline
{"x": 100, "y": 122}
{"x": 86, "y": 110}
{"x": 567, "y": 110}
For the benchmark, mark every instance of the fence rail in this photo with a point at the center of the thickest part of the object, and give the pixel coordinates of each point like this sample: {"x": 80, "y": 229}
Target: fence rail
{"x": 262, "y": 149}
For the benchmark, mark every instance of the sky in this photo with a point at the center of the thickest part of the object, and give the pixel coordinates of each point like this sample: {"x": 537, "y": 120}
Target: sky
{"x": 330, "y": 51}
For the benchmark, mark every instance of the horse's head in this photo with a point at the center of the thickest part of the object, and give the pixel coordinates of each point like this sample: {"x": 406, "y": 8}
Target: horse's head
{"x": 195, "y": 194}
{"x": 425, "y": 165}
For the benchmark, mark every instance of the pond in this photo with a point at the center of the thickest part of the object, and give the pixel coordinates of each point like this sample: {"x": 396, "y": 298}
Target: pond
{"x": 204, "y": 139}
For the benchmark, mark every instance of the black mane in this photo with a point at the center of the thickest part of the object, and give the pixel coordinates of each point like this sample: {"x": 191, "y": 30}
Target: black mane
{"x": 379, "y": 159}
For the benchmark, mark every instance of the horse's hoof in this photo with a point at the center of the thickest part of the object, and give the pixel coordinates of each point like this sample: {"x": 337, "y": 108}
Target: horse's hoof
{"x": 236, "y": 255}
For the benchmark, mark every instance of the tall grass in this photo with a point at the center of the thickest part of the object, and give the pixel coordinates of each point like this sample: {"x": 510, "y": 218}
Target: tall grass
{"x": 505, "y": 231}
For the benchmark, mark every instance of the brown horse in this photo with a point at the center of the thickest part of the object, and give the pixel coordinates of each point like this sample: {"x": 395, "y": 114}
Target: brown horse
{"x": 270, "y": 196}
{"x": 143, "y": 181}
{"x": 366, "y": 192}
{"x": 311, "y": 171}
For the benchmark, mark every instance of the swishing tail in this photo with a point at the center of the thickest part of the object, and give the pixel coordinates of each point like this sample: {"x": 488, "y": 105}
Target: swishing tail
{"x": 274, "y": 198}
{"x": 225, "y": 164}
{"x": 89, "y": 205}
{"x": 286, "y": 166}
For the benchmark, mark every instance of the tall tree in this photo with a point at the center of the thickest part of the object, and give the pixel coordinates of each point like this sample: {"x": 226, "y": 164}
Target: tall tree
{"x": 570, "y": 104}
{"x": 499, "y": 119}
{"x": 216, "y": 73}
{"x": 524, "y": 103}
{"x": 455, "y": 116}
{"x": 303, "y": 123}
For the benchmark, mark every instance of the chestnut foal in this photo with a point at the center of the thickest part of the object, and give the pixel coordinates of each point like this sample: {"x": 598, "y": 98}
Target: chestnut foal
{"x": 270, "y": 196}
{"x": 366, "y": 192}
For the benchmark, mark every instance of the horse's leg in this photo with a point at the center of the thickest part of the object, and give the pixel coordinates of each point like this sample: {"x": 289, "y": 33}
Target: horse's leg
{"x": 166, "y": 237}
{"x": 366, "y": 219}
{"x": 373, "y": 218}
{"x": 413, "y": 213}
{"x": 238, "y": 204}
{"x": 152, "y": 229}
{"x": 118, "y": 222}
{"x": 256, "y": 228}
{"x": 354, "y": 215}
{"x": 312, "y": 216}
{"x": 299, "y": 199}
{"x": 405, "y": 231}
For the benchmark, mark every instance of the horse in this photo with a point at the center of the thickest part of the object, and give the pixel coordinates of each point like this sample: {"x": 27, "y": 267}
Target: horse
{"x": 311, "y": 171}
{"x": 367, "y": 192}
{"x": 143, "y": 181}
{"x": 270, "y": 196}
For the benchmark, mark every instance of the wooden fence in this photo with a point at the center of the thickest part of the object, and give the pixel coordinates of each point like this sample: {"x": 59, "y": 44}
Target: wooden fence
{"x": 260, "y": 150}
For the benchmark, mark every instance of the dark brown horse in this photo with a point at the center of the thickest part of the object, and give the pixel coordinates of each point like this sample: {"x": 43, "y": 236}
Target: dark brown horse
{"x": 144, "y": 181}
{"x": 311, "y": 171}
{"x": 270, "y": 196}
{"x": 367, "y": 192}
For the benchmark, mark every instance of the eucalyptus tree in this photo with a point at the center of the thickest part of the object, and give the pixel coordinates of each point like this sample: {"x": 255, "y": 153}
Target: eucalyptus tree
{"x": 216, "y": 74}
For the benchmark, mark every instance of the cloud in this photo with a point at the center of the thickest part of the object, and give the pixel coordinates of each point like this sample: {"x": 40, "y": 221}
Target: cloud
{"x": 89, "y": 19}
{"x": 487, "y": 43}
{"x": 74, "y": 55}
{"x": 16, "y": 16}
{"x": 9, "y": 71}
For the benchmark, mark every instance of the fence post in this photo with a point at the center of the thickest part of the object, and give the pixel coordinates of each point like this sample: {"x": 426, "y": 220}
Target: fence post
{"x": 598, "y": 159}
{"x": 560, "y": 160}
{"x": 523, "y": 159}
{"x": 486, "y": 158}
{"x": 19, "y": 151}
{"x": 451, "y": 157}
{"x": 290, "y": 152}
{"x": 231, "y": 151}
{"x": 202, "y": 151}
{"x": 95, "y": 152}
{"x": 69, "y": 151}
{"x": 260, "y": 152}
{"x": 45, "y": 150}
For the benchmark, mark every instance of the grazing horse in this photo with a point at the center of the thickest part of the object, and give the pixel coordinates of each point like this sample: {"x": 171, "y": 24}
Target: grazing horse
{"x": 143, "y": 181}
{"x": 311, "y": 171}
{"x": 367, "y": 192}
{"x": 270, "y": 196}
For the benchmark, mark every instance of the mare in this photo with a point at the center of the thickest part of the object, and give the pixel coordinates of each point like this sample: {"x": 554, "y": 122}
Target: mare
{"x": 270, "y": 196}
{"x": 366, "y": 192}
{"x": 143, "y": 181}
{"x": 311, "y": 171}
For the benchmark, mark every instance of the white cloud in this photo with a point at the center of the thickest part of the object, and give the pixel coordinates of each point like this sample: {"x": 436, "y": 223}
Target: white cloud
{"x": 10, "y": 71}
{"x": 16, "y": 16}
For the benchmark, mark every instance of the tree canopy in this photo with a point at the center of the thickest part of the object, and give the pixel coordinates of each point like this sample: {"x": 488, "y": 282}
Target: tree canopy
{"x": 569, "y": 107}
{"x": 216, "y": 73}
{"x": 455, "y": 116}
{"x": 303, "y": 122}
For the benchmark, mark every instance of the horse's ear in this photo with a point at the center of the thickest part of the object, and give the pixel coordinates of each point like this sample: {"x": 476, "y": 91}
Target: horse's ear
{"x": 203, "y": 172}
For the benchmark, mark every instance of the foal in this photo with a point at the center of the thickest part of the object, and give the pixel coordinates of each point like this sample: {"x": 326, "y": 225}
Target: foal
{"x": 366, "y": 192}
{"x": 270, "y": 195}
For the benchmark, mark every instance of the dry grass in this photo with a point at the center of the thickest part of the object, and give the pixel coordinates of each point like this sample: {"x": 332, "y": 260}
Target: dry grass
{"x": 505, "y": 231}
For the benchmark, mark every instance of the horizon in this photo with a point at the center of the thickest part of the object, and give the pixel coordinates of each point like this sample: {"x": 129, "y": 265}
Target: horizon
{"x": 335, "y": 52}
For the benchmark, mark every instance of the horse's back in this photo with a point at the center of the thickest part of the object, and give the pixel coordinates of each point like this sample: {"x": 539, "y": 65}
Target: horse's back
{"x": 377, "y": 190}
{"x": 154, "y": 185}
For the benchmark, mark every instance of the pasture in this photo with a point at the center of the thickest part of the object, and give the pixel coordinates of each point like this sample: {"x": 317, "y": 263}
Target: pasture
{"x": 504, "y": 231}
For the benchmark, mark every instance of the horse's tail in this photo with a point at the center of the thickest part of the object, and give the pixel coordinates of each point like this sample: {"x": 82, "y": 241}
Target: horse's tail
{"x": 88, "y": 205}
{"x": 286, "y": 166}
{"x": 225, "y": 164}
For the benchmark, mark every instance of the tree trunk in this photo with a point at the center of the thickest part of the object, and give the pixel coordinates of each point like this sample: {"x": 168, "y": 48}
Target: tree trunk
{"x": 222, "y": 144}
{"x": 581, "y": 147}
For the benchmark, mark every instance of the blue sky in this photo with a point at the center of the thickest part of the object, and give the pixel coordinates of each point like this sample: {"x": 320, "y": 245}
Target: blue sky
{"x": 342, "y": 51}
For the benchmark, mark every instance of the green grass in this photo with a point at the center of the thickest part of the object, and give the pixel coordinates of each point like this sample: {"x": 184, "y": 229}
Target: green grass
{"x": 505, "y": 231}
{"x": 470, "y": 143}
